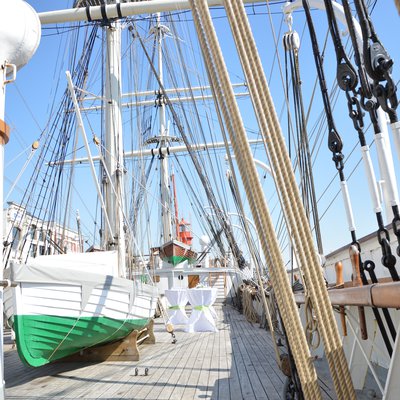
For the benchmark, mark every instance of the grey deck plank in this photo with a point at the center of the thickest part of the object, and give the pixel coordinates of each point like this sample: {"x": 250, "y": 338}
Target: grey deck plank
{"x": 161, "y": 366}
{"x": 193, "y": 382}
{"x": 184, "y": 380}
{"x": 223, "y": 362}
{"x": 260, "y": 364}
{"x": 201, "y": 388}
{"x": 177, "y": 378}
{"x": 164, "y": 376}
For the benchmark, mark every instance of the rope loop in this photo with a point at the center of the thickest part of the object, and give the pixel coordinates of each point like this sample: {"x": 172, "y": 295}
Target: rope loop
{"x": 289, "y": 19}
{"x": 312, "y": 329}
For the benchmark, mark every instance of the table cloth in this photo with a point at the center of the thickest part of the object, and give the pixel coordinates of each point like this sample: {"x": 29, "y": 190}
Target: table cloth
{"x": 203, "y": 315}
{"x": 177, "y": 299}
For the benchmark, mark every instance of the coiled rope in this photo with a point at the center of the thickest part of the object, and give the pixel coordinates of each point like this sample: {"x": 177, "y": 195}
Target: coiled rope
{"x": 248, "y": 292}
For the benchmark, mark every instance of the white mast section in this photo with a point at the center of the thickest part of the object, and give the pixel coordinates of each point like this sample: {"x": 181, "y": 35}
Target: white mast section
{"x": 114, "y": 145}
{"x": 160, "y": 31}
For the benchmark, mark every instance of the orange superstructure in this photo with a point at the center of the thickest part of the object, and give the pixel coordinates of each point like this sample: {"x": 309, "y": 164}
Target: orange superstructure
{"x": 185, "y": 234}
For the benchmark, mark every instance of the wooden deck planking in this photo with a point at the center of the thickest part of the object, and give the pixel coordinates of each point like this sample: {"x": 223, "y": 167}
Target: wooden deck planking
{"x": 224, "y": 368}
{"x": 201, "y": 387}
{"x": 192, "y": 376}
{"x": 183, "y": 370}
{"x": 158, "y": 368}
{"x": 245, "y": 362}
{"x": 165, "y": 374}
{"x": 82, "y": 382}
{"x": 161, "y": 367}
{"x": 258, "y": 347}
{"x": 235, "y": 363}
{"x": 212, "y": 383}
{"x": 235, "y": 389}
{"x": 183, "y": 360}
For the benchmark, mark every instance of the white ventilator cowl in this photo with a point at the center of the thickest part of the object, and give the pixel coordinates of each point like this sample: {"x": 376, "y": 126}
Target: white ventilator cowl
{"x": 20, "y": 32}
{"x": 204, "y": 241}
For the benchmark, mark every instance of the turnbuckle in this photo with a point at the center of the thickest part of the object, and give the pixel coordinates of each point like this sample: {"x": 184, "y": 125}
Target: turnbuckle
{"x": 396, "y": 231}
{"x": 338, "y": 160}
{"x": 387, "y": 97}
{"x": 388, "y": 259}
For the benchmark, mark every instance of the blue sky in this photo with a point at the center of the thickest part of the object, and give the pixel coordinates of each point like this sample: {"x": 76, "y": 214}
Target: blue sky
{"x": 31, "y": 97}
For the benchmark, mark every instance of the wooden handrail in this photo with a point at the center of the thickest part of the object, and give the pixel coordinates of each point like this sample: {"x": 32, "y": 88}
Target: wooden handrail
{"x": 381, "y": 295}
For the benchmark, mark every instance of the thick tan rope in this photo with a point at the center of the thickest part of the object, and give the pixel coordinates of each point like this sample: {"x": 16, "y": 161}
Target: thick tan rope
{"x": 298, "y": 347}
{"x": 290, "y": 197}
{"x": 220, "y": 80}
{"x": 289, "y": 215}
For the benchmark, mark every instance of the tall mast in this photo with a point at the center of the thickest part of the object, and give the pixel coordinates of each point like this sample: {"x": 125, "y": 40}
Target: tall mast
{"x": 163, "y": 137}
{"x": 176, "y": 207}
{"x": 113, "y": 182}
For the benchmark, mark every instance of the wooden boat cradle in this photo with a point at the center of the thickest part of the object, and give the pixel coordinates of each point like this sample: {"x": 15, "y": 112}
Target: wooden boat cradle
{"x": 126, "y": 349}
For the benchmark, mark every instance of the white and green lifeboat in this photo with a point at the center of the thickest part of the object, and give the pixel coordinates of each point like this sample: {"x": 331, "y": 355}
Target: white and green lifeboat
{"x": 66, "y": 303}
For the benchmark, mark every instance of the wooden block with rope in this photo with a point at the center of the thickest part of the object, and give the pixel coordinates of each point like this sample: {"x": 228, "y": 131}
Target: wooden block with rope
{"x": 340, "y": 284}
{"x": 355, "y": 262}
{"x": 4, "y": 132}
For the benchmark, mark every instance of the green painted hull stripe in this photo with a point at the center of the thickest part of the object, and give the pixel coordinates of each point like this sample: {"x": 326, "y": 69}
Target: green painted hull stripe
{"x": 44, "y": 338}
{"x": 175, "y": 260}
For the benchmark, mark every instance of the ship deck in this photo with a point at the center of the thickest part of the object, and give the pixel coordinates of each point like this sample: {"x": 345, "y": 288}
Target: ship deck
{"x": 238, "y": 362}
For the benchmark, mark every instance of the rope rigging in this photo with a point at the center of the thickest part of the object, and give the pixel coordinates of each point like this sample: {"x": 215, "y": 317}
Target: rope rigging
{"x": 378, "y": 63}
{"x": 291, "y": 44}
{"x": 347, "y": 81}
{"x": 356, "y": 114}
{"x": 378, "y": 66}
{"x": 335, "y": 143}
{"x": 43, "y": 196}
{"x": 206, "y": 184}
{"x": 288, "y": 191}
{"x": 367, "y": 92}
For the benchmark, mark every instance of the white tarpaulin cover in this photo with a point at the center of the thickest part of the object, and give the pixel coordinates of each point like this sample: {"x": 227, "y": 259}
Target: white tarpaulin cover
{"x": 89, "y": 270}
